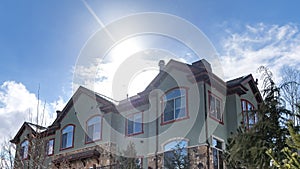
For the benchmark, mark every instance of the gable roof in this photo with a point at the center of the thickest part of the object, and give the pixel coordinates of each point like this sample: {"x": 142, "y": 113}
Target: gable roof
{"x": 107, "y": 105}
{"x": 34, "y": 128}
{"x": 196, "y": 72}
{"x": 238, "y": 86}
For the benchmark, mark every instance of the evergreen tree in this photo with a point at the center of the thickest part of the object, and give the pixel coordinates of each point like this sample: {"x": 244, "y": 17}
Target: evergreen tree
{"x": 291, "y": 152}
{"x": 246, "y": 149}
{"x": 128, "y": 158}
{"x": 177, "y": 158}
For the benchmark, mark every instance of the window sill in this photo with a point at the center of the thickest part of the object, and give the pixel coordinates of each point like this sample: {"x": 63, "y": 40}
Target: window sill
{"x": 175, "y": 120}
{"x": 217, "y": 120}
{"x": 62, "y": 149}
{"x": 93, "y": 141}
{"x": 134, "y": 134}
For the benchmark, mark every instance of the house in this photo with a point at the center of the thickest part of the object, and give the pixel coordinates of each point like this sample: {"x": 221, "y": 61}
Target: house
{"x": 186, "y": 110}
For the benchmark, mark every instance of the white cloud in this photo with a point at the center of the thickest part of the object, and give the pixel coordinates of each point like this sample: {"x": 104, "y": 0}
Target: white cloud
{"x": 17, "y": 105}
{"x": 242, "y": 53}
{"x": 257, "y": 45}
{"x": 117, "y": 78}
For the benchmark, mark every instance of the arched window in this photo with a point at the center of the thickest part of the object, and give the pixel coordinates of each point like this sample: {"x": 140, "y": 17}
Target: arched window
{"x": 174, "y": 105}
{"x": 67, "y": 136}
{"x": 24, "y": 149}
{"x": 93, "y": 129}
{"x": 249, "y": 114}
{"x": 176, "y": 154}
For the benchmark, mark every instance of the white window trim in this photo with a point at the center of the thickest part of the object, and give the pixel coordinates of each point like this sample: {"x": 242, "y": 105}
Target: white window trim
{"x": 174, "y": 139}
{"x": 220, "y": 139}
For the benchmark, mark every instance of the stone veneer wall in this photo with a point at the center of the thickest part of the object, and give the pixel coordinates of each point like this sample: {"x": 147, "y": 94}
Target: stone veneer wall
{"x": 197, "y": 157}
{"x": 106, "y": 158}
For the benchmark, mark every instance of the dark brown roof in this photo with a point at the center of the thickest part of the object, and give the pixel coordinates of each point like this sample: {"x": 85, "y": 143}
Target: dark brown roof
{"x": 34, "y": 128}
{"x": 237, "y": 86}
{"x": 198, "y": 71}
{"x": 107, "y": 105}
{"x": 87, "y": 154}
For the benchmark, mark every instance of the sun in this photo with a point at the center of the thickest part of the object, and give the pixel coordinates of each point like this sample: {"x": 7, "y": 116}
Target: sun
{"x": 121, "y": 51}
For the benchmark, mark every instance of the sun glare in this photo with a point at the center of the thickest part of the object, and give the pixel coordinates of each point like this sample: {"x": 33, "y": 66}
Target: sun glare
{"x": 141, "y": 80}
{"x": 124, "y": 49}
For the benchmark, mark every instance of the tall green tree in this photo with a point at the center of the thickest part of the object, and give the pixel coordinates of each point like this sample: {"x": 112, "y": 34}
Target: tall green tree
{"x": 247, "y": 147}
{"x": 177, "y": 158}
{"x": 128, "y": 158}
{"x": 291, "y": 152}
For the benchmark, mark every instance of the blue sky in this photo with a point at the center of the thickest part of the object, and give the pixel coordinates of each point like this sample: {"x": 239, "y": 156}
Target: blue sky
{"x": 40, "y": 41}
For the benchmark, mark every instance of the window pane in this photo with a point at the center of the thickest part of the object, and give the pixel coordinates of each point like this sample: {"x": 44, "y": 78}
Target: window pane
{"x": 212, "y": 106}
{"x": 64, "y": 141}
{"x": 175, "y": 155}
{"x": 215, "y": 159}
{"x": 174, "y": 105}
{"x": 249, "y": 115}
{"x": 244, "y": 105}
{"x": 90, "y": 132}
{"x": 134, "y": 123}
{"x": 24, "y": 149}
{"x": 175, "y": 93}
{"x": 179, "y": 113}
{"x": 50, "y": 147}
{"x": 137, "y": 127}
{"x": 139, "y": 162}
{"x": 69, "y": 139}
{"x": 217, "y": 143}
{"x": 68, "y": 129}
{"x": 218, "y": 109}
{"x": 178, "y": 103}
{"x": 130, "y": 127}
{"x": 173, "y": 144}
{"x": 217, "y": 153}
{"x": 168, "y": 159}
{"x": 94, "y": 129}
{"x": 97, "y": 131}
{"x": 94, "y": 120}
{"x": 138, "y": 117}
{"x": 249, "y": 107}
{"x": 169, "y": 111}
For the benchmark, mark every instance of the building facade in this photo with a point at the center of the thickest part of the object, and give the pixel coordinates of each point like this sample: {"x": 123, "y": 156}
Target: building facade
{"x": 183, "y": 118}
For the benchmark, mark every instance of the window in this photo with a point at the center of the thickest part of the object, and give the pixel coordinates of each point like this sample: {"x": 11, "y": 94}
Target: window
{"x": 24, "y": 149}
{"x": 217, "y": 153}
{"x": 67, "y": 136}
{"x": 176, "y": 154}
{"x": 139, "y": 162}
{"x": 134, "y": 124}
{"x": 174, "y": 105}
{"x": 215, "y": 108}
{"x": 248, "y": 113}
{"x": 93, "y": 129}
{"x": 50, "y": 147}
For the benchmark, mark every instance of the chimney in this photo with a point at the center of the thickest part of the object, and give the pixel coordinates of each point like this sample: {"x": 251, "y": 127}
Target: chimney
{"x": 161, "y": 65}
{"x": 203, "y": 64}
{"x": 58, "y": 112}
